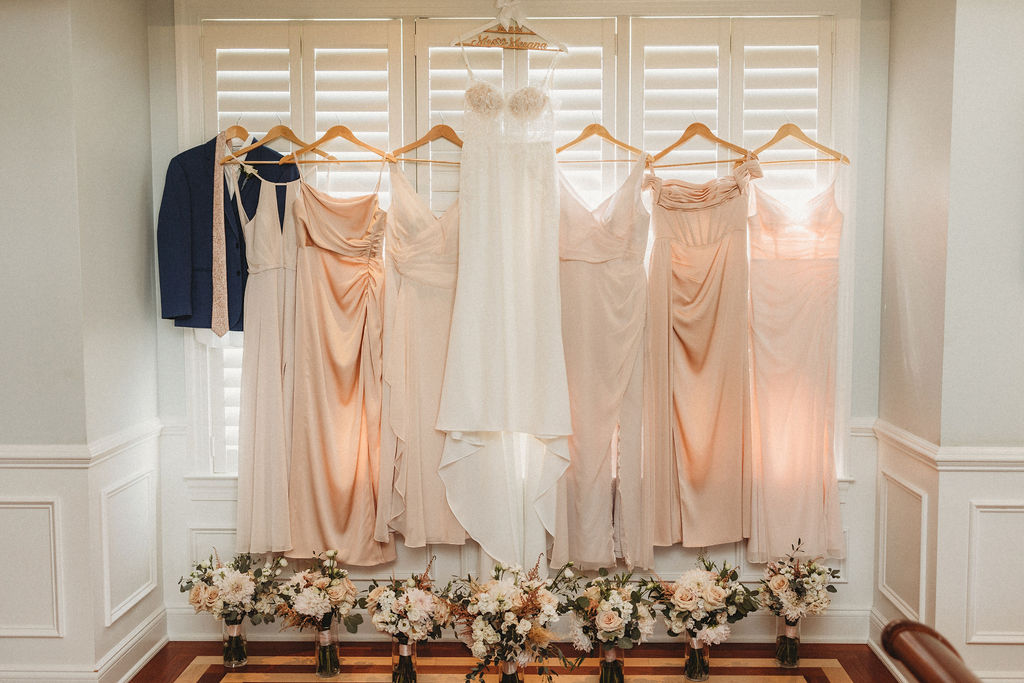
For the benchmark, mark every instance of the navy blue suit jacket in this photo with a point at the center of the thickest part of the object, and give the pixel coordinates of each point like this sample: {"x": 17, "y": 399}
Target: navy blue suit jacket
{"x": 184, "y": 238}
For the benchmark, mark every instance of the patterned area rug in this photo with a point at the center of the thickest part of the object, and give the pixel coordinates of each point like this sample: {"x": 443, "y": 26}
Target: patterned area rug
{"x": 293, "y": 669}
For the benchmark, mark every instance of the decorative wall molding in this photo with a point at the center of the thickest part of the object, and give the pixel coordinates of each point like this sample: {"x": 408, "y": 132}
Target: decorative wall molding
{"x": 118, "y": 442}
{"x": 212, "y": 486}
{"x": 77, "y": 456}
{"x": 899, "y": 601}
{"x": 56, "y": 629}
{"x": 951, "y": 458}
{"x": 975, "y": 589}
{"x": 198, "y": 550}
{"x": 174, "y": 428}
{"x": 112, "y": 612}
{"x": 862, "y": 427}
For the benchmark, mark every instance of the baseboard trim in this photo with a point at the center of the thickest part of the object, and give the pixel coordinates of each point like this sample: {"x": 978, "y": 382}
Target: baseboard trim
{"x": 117, "y": 654}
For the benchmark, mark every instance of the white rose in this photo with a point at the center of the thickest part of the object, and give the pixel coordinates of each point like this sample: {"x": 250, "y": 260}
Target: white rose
{"x": 714, "y": 596}
{"x": 608, "y": 621}
{"x": 778, "y": 583}
{"x": 684, "y": 598}
{"x": 524, "y": 627}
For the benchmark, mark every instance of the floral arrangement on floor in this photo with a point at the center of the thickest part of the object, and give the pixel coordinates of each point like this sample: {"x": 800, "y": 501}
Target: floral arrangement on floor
{"x": 701, "y": 604}
{"x": 313, "y": 598}
{"x": 615, "y": 612}
{"x": 505, "y": 618}
{"x": 231, "y": 592}
{"x": 409, "y": 610}
{"x": 793, "y": 589}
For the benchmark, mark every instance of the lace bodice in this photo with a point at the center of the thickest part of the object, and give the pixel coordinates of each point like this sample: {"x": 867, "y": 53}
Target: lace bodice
{"x": 523, "y": 113}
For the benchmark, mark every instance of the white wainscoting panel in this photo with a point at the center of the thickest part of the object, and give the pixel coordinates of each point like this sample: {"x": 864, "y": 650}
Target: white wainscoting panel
{"x": 203, "y": 541}
{"x": 128, "y": 533}
{"x": 903, "y": 562}
{"x": 995, "y": 605}
{"x": 32, "y": 605}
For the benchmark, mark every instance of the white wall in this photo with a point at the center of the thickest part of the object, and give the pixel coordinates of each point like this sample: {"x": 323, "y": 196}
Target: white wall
{"x": 983, "y": 361}
{"x": 110, "y": 83}
{"x": 916, "y": 214}
{"x": 951, "y": 507}
{"x": 43, "y": 397}
{"x": 78, "y": 426}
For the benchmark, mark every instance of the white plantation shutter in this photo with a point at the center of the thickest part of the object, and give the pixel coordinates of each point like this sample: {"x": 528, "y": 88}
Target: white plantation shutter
{"x": 441, "y": 80}
{"x": 250, "y": 75}
{"x": 785, "y": 76}
{"x": 583, "y": 89}
{"x": 352, "y": 75}
{"x": 680, "y": 74}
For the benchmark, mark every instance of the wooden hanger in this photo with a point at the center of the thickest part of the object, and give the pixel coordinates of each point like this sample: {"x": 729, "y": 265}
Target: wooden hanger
{"x": 277, "y": 132}
{"x": 600, "y": 131}
{"x": 791, "y": 130}
{"x": 236, "y": 131}
{"x": 508, "y": 30}
{"x": 333, "y": 133}
{"x": 700, "y": 130}
{"x": 438, "y": 132}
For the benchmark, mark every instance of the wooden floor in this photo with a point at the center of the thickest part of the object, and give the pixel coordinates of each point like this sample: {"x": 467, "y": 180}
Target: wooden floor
{"x": 284, "y": 662}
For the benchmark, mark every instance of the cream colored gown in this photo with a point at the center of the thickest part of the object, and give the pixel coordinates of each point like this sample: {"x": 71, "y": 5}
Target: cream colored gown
{"x": 422, "y": 257}
{"x": 336, "y": 434}
{"x": 604, "y": 307}
{"x": 697, "y": 405}
{"x": 264, "y": 436}
{"x": 794, "y": 280}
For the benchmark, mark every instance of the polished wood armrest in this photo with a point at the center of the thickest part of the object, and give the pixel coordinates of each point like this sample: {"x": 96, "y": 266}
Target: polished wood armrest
{"x": 926, "y": 654}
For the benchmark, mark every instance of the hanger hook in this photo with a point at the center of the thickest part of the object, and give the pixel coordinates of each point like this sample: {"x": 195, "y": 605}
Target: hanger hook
{"x": 789, "y": 116}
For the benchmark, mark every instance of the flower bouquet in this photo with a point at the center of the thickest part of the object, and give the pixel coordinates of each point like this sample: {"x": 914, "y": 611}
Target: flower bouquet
{"x": 314, "y": 599}
{"x": 410, "y": 611}
{"x": 505, "y": 618}
{"x": 231, "y": 592}
{"x": 791, "y": 590}
{"x": 617, "y": 613}
{"x": 702, "y": 604}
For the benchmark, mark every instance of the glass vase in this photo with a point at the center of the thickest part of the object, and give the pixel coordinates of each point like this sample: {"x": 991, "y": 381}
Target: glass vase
{"x": 403, "y": 661}
{"x": 787, "y": 642}
{"x": 234, "y": 642}
{"x": 328, "y": 662}
{"x": 510, "y": 673}
{"x": 611, "y": 664}
{"x": 698, "y": 660}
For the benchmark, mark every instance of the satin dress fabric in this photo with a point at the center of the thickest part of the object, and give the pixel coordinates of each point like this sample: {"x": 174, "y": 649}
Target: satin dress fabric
{"x": 338, "y": 356}
{"x": 604, "y": 309}
{"x": 697, "y": 436}
{"x": 794, "y": 287}
{"x": 265, "y": 417}
{"x": 505, "y": 398}
{"x": 421, "y": 262}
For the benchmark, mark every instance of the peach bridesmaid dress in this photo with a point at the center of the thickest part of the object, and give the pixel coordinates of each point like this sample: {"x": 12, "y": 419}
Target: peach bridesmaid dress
{"x": 337, "y": 409}
{"x": 604, "y": 308}
{"x": 421, "y": 262}
{"x": 794, "y": 281}
{"x": 697, "y": 437}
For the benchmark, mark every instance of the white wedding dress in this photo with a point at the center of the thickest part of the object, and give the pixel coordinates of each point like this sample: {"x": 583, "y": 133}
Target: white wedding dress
{"x": 505, "y": 398}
